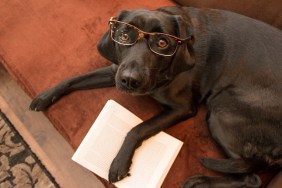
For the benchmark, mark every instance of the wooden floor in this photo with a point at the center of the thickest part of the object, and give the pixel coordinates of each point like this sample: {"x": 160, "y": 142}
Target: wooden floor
{"x": 44, "y": 140}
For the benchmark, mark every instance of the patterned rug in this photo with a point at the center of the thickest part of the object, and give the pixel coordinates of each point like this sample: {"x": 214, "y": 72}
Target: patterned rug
{"x": 19, "y": 166}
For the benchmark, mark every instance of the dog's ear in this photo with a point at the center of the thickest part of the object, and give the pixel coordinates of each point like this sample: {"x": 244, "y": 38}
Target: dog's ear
{"x": 106, "y": 47}
{"x": 123, "y": 14}
{"x": 184, "y": 58}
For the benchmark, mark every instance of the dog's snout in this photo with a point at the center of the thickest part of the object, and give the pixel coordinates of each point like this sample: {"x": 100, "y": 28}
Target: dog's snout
{"x": 130, "y": 80}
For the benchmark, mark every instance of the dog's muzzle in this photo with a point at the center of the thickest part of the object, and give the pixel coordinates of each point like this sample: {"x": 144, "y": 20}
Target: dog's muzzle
{"x": 134, "y": 81}
{"x": 130, "y": 80}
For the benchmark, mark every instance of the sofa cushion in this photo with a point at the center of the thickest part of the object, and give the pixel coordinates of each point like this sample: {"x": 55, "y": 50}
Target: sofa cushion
{"x": 268, "y": 11}
{"x": 45, "y": 42}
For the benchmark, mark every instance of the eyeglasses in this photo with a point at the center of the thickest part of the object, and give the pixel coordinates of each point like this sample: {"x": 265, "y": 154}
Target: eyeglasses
{"x": 159, "y": 43}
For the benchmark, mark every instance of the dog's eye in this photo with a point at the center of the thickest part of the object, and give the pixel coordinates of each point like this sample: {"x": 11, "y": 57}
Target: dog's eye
{"x": 124, "y": 37}
{"x": 162, "y": 43}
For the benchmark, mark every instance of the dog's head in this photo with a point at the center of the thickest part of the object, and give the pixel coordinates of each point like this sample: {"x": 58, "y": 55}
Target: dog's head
{"x": 146, "y": 58}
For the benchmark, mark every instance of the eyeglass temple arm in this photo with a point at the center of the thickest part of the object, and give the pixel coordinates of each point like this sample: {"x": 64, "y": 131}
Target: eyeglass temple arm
{"x": 112, "y": 19}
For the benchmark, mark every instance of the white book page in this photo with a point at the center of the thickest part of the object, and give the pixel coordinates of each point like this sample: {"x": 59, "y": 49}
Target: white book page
{"x": 151, "y": 160}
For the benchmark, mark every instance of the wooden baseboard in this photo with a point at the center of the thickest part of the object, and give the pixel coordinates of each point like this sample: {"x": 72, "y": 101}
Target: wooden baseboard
{"x": 50, "y": 147}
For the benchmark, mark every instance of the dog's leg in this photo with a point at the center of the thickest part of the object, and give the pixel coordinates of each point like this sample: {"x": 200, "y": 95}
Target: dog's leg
{"x": 121, "y": 164}
{"x": 238, "y": 181}
{"x": 103, "y": 77}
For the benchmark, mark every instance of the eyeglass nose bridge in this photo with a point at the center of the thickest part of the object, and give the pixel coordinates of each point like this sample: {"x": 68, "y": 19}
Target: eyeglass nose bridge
{"x": 142, "y": 35}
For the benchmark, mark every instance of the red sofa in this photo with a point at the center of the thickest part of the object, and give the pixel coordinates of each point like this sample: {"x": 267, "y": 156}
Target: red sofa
{"x": 45, "y": 42}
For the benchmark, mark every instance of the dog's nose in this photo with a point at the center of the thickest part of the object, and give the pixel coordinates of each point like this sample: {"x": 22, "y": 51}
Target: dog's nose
{"x": 131, "y": 80}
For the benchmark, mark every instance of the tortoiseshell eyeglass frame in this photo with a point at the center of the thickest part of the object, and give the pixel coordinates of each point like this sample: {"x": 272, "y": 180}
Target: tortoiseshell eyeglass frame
{"x": 143, "y": 34}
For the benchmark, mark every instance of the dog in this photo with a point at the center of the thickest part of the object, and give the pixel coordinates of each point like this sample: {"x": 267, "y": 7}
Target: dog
{"x": 182, "y": 57}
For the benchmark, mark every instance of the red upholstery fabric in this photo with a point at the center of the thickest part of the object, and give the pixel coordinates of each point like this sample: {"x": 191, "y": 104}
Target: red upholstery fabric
{"x": 45, "y": 42}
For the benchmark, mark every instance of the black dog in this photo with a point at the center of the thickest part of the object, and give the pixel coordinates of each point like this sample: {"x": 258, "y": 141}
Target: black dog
{"x": 228, "y": 61}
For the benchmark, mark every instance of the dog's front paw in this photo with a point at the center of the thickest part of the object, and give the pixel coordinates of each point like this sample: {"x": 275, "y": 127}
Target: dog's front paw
{"x": 119, "y": 169}
{"x": 44, "y": 100}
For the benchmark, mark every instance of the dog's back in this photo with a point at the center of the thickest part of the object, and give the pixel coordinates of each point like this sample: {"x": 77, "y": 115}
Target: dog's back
{"x": 238, "y": 53}
{"x": 239, "y": 74}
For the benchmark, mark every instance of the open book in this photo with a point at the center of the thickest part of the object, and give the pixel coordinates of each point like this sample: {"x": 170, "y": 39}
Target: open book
{"x": 151, "y": 161}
